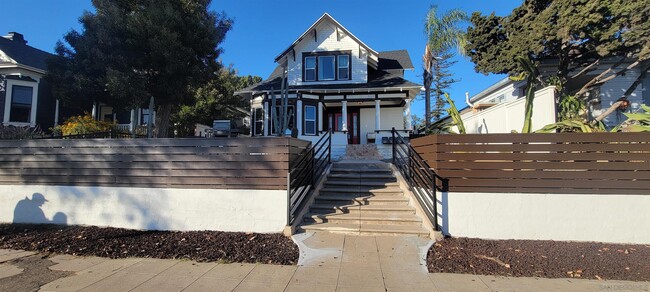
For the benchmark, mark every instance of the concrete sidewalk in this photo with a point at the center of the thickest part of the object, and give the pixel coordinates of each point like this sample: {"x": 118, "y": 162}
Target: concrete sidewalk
{"x": 328, "y": 262}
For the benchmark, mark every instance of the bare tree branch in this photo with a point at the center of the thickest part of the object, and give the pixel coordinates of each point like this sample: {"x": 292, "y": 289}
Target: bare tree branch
{"x": 591, "y": 67}
{"x": 600, "y": 79}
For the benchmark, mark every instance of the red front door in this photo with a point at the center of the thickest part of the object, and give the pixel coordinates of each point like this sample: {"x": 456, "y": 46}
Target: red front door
{"x": 336, "y": 122}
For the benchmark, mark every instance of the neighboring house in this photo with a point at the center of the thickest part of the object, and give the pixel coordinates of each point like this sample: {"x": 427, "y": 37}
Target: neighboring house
{"x": 500, "y": 107}
{"x": 25, "y": 96}
{"x": 337, "y": 82}
{"x": 123, "y": 119}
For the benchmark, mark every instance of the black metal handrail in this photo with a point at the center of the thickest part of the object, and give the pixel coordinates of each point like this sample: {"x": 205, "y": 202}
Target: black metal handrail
{"x": 422, "y": 180}
{"x": 304, "y": 174}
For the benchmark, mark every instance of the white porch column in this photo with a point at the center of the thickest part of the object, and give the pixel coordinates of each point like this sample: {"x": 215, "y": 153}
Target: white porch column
{"x": 377, "y": 115}
{"x": 407, "y": 113}
{"x": 320, "y": 117}
{"x": 133, "y": 120}
{"x": 94, "y": 112}
{"x": 266, "y": 118}
{"x": 299, "y": 113}
{"x": 56, "y": 113}
{"x": 344, "y": 104}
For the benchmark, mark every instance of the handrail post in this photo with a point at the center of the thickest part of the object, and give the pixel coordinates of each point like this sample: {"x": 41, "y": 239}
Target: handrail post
{"x": 289, "y": 199}
{"x": 392, "y": 131}
{"x": 435, "y": 202}
{"x": 329, "y": 146}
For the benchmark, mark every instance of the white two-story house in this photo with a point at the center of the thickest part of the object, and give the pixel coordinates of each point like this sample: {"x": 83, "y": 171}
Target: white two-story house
{"x": 337, "y": 82}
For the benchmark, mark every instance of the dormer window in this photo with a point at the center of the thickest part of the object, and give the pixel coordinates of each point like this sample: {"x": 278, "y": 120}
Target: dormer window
{"x": 344, "y": 67}
{"x": 327, "y": 66}
{"x": 310, "y": 68}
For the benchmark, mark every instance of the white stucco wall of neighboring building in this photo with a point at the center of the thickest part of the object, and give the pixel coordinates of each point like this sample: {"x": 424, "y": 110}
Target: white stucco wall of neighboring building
{"x": 508, "y": 116}
{"x": 615, "y": 218}
{"x": 150, "y": 208}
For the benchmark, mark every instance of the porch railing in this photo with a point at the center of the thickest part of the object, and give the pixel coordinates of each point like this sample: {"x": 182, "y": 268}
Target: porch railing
{"x": 422, "y": 180}
{"x": 305, "y": 173}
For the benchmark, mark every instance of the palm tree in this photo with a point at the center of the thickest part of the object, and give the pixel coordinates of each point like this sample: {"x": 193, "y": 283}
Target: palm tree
{"x": 443, "y": 34}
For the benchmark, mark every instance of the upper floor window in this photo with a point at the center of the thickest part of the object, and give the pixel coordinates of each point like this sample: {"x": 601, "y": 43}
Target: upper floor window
{"x": 21, "y": 104}
{"x": 326, "y": 66}
{"x": 310, "y": 68}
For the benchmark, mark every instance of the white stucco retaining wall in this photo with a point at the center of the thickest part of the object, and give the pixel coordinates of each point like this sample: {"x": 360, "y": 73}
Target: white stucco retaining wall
{"x": 151, "y": 208}
{"x": 568, "y": 217}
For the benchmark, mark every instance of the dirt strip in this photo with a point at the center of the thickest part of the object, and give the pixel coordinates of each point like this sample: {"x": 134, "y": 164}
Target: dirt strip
{"x": 539, "y": 258}
{"x": 203, "y": 246}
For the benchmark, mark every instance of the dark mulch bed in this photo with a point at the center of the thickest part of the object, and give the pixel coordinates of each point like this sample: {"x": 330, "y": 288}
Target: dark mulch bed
{"x": 540, "y": 258}
{"x": 200, "y": 246}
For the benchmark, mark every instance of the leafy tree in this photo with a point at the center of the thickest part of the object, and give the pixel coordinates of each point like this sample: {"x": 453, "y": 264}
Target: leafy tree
{"x": 131, "y": 50}
{"x": 214, "y": 100}
{"x": 443, "y": 35}
{"x": 575, "y": 36}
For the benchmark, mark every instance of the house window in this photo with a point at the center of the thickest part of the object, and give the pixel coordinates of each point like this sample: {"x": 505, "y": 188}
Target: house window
{"x": 144, "y": 116}
{"x": 310, "y": 69}
{"x": 343, "y": 67}
{"x": 21, "y": 104}
{"x": 326, "y": 67}
{"x": 259, "y": 122}
{"x": 310, "y": 120}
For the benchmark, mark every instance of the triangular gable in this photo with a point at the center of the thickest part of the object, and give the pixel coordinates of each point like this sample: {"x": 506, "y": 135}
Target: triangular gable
{"x": 341, "y": 30}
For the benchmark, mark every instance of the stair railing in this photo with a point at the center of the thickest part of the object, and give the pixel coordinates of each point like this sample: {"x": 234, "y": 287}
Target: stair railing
{"x": 421, "y": 178}
{"x": 306, "y": 172}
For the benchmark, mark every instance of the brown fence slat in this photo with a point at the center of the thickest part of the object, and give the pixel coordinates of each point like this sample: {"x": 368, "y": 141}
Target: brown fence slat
{"x": 222, "y": 163}
{"x": 547, "y": 163}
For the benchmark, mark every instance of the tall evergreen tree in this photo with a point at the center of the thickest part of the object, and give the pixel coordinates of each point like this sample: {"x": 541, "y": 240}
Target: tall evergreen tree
{"x": 443, "y": 35}
{"x": 132, "y": 50}
{"x": 442, "y": 80}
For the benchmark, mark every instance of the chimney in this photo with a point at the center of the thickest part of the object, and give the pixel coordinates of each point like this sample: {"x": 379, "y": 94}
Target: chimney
{"x": 16, "y": 37}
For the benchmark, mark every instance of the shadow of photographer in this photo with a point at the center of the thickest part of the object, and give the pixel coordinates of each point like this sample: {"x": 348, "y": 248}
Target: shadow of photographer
{"x": 30, "y": 211}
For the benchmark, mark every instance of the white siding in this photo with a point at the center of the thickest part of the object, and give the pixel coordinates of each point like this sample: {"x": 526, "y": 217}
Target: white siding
{"x": 613, "y": 90}
{"x": 327, "y": 41}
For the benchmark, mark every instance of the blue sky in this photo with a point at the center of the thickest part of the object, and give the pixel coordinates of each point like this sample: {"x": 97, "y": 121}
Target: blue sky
{"x": 263, "y": 29}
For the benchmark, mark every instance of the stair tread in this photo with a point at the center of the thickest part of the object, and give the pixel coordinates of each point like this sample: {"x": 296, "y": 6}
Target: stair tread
{"x": 348, "y": 216}
{"x": 360, "y": 183}
{"x": 363, "y": 207}
{"x": 347, "y": 197}
{"x": 378, "y": 228}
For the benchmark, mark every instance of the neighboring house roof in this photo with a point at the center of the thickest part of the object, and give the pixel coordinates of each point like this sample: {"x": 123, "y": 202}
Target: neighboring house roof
{"x": 325, "y": 17}
{"x": 494, "y": 87}
{"x": 379, "y": 78}
{"x": 398, "y": 59}
{"x": 22, "y": 54}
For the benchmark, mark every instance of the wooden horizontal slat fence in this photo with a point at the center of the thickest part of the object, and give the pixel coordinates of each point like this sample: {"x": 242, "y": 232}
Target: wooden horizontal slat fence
{"x": 573, "y": 163}
{"x": 220, "y": 163}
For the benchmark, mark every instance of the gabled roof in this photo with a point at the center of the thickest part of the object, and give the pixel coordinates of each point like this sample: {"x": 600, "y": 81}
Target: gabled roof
{"x": 398, "y": 59}
{"x": 22, "y": 54}
{"x": 325, "y": 17}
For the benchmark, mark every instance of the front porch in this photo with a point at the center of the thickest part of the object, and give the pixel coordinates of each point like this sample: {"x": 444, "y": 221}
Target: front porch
{"x": 352, "y": 119}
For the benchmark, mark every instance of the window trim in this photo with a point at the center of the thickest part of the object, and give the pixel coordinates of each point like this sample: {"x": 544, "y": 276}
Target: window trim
{"x": 10, "y": 82}
{"x": 305, "y": 120}
{"x": 336, "y": 55}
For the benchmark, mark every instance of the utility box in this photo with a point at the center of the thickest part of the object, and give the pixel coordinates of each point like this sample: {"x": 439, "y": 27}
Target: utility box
{"x": 221, "y": 128}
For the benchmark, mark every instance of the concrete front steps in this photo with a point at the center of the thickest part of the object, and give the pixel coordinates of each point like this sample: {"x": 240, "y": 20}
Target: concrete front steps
{"x": 363, "y": 198}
